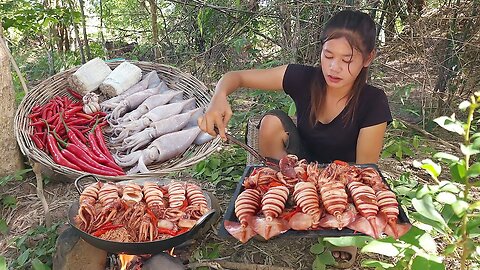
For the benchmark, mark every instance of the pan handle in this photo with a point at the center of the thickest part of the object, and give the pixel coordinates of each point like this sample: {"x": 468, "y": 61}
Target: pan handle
{"x": 202, "y": 220}
{"x": 77, "y": 185}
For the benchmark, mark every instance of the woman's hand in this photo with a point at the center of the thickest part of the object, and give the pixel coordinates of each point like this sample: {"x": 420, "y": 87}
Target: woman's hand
{"x": 217, "y": 115}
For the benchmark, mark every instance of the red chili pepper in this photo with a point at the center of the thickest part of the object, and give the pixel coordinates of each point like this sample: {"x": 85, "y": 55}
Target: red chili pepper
{"x": 38, "y": 142}
{"x": 166, "y": 231}
{"x": 106, "y": 229}
{"x": 182, "y": 230}
{"x": 98, "y": 152}
{"x": 85, "y": 166}
{"x": 37, "y": 108}
{"x": 75, "y": 121}
{"x": 57, "y": 155}
{"x": 78, "y": 134}
{"x": 34, "y": 115}
{"x": 288, "y": 215}
{"x": 74, "y": 93}
{"x": 84, "y": 115}
{"x": 73, "y": 110}
{"x": 101, "y": 142}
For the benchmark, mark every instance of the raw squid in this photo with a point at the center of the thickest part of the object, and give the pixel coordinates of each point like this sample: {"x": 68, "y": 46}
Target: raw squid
{"x": 247, "y": 205}
{"x": 132, "y": 101}
{"x": 150, "y": 80}
{"x": 152, "y": 102}
{"x": 156, "y": 129}
{"x": 158, "y": 113}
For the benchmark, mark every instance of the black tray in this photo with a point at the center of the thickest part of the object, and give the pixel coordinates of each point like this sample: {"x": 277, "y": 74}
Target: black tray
{"x": 230, "y": 213}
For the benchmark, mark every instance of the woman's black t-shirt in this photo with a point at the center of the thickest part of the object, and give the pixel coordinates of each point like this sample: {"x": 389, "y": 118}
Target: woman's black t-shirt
{"x": 336, "y": 140}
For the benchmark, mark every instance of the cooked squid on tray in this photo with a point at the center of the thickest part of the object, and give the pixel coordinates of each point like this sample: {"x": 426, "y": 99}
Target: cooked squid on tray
{"x": 304, "y": 197}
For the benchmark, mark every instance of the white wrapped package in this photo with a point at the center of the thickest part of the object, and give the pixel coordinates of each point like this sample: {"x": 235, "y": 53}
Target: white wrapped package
{"x": 122, "y": 77}
{"x": 89, "y": 76}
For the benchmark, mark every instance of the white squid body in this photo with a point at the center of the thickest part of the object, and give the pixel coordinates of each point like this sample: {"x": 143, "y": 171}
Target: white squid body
{"x": 161, "y": 149}
{"x": 134, "y": 100}
{"x": 158, "y": 113}
{"x": 157, "y": 129}
{"x": 150, "y": 80}
{"x": 153, "y": 102}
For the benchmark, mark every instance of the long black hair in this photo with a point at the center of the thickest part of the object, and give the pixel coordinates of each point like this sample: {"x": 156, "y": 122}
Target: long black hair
{"x": 359, "y": 30}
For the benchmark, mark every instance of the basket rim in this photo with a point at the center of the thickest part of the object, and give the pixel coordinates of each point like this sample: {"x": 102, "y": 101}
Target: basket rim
{"x": 44, "y": 91}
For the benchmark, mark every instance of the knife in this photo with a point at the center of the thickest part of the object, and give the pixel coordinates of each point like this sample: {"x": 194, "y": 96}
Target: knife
{"x": 266, "y": 161}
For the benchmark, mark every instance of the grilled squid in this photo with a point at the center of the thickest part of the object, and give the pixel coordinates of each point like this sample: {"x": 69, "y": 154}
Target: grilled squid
{"x": 197, "y": 202}
{"x": 132, "y": 193}
{"x": 366, "y": 202}
{"x": 86, "y": 210}
{"x": 247, "y": 205}
{"x": 273, "y": 204}
{"x": 176, "y": 195}
{"x": 387, "y": 202}
{"x": 306, "y": 197}
{"x": 154, "y": 198}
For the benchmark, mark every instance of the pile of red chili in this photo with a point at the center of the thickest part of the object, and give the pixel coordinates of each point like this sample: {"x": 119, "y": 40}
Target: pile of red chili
{"x": 73, "y": 138}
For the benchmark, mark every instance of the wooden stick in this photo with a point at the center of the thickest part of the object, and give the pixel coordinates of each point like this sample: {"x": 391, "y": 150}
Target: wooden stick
{"x": 234, "y": 265}
{"x": 40, "y": 195}
{"x": 14, "y": 64}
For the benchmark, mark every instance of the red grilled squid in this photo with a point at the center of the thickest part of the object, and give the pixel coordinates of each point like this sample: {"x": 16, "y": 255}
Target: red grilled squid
{"x": 154, "y": 198}
{"x": 197, "y": 202}
{"x": 372, "y": 178}
{"x": 132, "y": 193}
{"x": 247, "y": 205}
{"x": 109, "y": 200}
{"x": 86, "y": 210}
{"x": 366, "y": 203}
{"x": 176, "y": 195}
{"x": 334, "y": 198}
{"x": 261, "y": 179}
{"x": 273, "y": 204}
{"x": 306, "y": 197}
{"x": 387, "y": 202}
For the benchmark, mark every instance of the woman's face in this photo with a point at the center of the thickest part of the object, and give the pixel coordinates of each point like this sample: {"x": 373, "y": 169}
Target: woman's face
{"x": 340, "y": 68}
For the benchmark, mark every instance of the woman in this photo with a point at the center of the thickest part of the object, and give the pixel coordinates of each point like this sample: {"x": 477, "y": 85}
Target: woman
{"x": 339, "y": 115}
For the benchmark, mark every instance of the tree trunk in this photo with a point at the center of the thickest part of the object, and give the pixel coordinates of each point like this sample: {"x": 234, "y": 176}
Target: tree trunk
{"x": 154, "y": 19}
{"x": 100, "y": 32}
{"x": 84, "y": 26}
{"x": 77, "y": 34}
{"x": 10, "y": 159}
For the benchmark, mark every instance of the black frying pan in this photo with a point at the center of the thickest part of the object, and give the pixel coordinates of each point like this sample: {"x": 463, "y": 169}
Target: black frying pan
{"x": 152, "y": 247}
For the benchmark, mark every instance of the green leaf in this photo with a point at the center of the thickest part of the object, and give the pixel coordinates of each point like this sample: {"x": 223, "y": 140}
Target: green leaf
{"x": 459, "y": 207}
{"x": 327, "y": 258}
{"x": 427, "y": 263}
{"x": 346, "y": 241}
{"x": 23, "y": 258}
{"x": 474, "y": 170}
{"x": 431, "y": 167}
{"x": 318, "y": 264}
{"x": 424, "y": 190}
{"x": 445, "y": 156}
{"x": 9, "y": 201}
{"x": 292, "y": 109}
{"x": 425, "y": 207}
{"x": 38, "y": 265}
{"x": 376, "y": 264}
{"x": 427, "y": 242}
{"x": 3, "y": 226}
{"x": 450, "y": 249}
{"x": 468, "y": 150}
{"x": 448, "y": 186}
{"x": 317, "y": 248}
{"x": 3, "y": 263}
{"x": 379, "y": 247}
{"x": 464, "y": 105}
{"x": 458, "y": 171}
{"x": 446, "y": 197}
{"x": 474, "y": 206}
{"x": 450, "y": 124}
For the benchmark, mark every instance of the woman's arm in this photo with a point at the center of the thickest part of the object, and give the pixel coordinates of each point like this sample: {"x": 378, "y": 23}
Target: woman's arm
{"x": 370, "y": 143}
{"x": 219, "y": 111}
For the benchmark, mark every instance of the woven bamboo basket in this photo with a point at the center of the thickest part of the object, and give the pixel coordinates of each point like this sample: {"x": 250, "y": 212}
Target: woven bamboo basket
{"x": 56, "y": 86}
